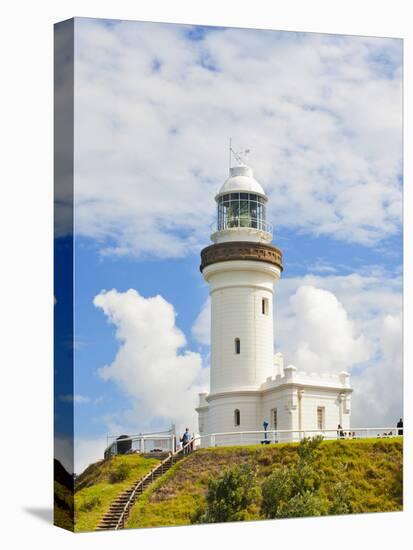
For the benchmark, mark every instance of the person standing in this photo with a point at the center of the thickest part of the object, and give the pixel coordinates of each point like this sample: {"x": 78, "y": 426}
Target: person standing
{"x": 400, "y": 427}
{"x": 185, "y": 440}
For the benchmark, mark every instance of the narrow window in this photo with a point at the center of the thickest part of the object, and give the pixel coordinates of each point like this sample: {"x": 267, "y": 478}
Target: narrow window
{"x": 264, "y": 306}
{"x": 237, "y": 346}
{"x": 237, "y": 417}
{"x": 320, "y": 418}
{"x": 274, "y": 419}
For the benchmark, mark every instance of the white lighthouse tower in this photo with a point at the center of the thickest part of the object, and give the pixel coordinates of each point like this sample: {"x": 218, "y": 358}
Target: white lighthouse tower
{"x": 241, "y": 268}
{"x": 248, "y": 382}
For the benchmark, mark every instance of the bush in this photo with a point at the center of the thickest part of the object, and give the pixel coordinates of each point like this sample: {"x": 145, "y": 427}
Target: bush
{"x": 90, "y": 504}
{"x": 228, "y": 496}
{"x": 294, "y": 491}
{"x": 303, "y": 505}
{"x": 341, "y": 499}
{"x": 120, "y": 473}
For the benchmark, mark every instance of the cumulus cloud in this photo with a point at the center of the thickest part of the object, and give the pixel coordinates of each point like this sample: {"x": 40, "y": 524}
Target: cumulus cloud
{"x": 152, "y": 365}
{"x": 380, "y": 384}
{"x": 201, "y": 329}
{"x": 325, "y": 338}
{"x": 154, "y": 110}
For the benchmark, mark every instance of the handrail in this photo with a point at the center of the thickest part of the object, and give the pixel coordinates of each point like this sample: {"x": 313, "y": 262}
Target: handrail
{"x": 140, "y": 438}
{"x": 131, "y": 499}
{"x": 272, "y": 430}
{"x": 338, "y": 432}
{"x": 238, "y": 222}
{"x": 132, "y": 495}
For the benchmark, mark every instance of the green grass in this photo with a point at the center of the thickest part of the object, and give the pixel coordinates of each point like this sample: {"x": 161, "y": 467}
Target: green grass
{"x": 102, "y": 482}
{"x": 63, "y": 507}
{"x": 372, "y": 466}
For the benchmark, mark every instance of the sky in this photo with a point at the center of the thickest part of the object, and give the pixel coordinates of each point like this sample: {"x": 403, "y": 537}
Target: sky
{"x": 155, "y": 106}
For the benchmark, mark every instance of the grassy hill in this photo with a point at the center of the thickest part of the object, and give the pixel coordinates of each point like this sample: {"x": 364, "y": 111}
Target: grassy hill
{"x": 102, "y": 482}
{"x": 63, "y": 515}
{"x": 372, "y": 466}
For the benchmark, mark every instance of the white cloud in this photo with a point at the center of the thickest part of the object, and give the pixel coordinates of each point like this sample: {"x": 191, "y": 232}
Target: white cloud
{"x": 322, "y": 115}
{"x": 88, "y": 450}
{"x": 76, "y": 454}
{"x": 201, "y": 329}
{"x": 324, "y": 335}
{"x": 152, "y": 365}
{"x": 380, "y": 385}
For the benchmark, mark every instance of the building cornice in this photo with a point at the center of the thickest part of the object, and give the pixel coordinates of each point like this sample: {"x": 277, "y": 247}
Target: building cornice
{"x": 304, "y": 386}
{"x": 261, "y": 391}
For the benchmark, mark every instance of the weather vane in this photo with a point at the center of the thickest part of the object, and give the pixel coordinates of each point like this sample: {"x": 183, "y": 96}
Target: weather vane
{"x": 239, "y": 156}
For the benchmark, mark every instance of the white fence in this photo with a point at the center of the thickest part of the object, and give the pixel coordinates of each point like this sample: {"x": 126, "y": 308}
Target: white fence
{"x": 141, "y": 443}
{"x": 287, "y": 436}
{"x": 166, "y": 442}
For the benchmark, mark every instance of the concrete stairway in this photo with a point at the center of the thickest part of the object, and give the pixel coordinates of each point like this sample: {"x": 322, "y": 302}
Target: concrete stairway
{"x": 118, "y": 512}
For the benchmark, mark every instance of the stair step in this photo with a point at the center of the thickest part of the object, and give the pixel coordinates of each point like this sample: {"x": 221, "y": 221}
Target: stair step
{"x": 111, "y": 517}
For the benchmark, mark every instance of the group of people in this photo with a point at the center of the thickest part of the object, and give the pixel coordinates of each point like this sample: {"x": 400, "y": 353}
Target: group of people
{"x": 342, "y": 435}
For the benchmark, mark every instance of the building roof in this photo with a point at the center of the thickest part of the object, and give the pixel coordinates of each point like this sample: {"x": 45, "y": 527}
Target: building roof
{"x": 241, "y": 179}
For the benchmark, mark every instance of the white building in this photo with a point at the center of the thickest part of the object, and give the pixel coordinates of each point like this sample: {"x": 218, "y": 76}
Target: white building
{"x": 249, "y": 384}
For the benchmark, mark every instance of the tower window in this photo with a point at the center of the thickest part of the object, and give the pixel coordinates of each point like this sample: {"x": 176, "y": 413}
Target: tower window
{"x": 237, "y": 346}
{"x": 264, "y": 306}
{"x": 237, "y": 417}
{"x": 320, "y": 418}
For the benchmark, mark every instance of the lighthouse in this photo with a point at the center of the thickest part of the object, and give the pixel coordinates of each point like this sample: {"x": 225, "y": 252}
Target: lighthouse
{"x": 248, "y": 382}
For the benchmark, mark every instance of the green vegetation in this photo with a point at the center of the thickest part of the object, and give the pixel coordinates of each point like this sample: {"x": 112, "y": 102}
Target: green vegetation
{"x": 63, "y": 514}
{"x": 296, "y": 491}
{"x": 102, "y": 482}
{"x": 344, "y": 476}
{"x": 63, "y": 507}
{"x": 228, "y": 496}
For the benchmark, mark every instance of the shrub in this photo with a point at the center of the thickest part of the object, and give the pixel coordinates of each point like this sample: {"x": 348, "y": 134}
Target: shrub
{"x": 120, "y": 473}
{"x": 341, "y": 499}
{"x": 90, "y": 504}
{"x": 303, "y": 505}
{"x": 308, "y": 448}
{"x": 228, "y": 496}
{"x": 294, "y": 491}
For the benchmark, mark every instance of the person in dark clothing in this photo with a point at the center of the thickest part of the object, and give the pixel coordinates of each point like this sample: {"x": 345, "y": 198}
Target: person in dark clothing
{"x": 400, "y": 427}
{"x": 340, "y": 432}
{"x": 185, "y": 440}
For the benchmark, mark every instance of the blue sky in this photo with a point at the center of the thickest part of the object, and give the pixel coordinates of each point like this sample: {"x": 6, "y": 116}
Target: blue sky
{"x": 155, "y": 106}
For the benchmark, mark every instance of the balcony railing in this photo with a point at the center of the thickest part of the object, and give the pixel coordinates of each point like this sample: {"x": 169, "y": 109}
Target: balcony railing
{"x": 237, "y": 222}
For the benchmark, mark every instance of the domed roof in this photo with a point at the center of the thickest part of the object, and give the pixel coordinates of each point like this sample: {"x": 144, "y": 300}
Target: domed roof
{"x": 241, "y": 179}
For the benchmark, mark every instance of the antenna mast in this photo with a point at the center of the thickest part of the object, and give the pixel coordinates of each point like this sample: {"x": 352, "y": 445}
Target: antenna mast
{"x": 238, "y": 156}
